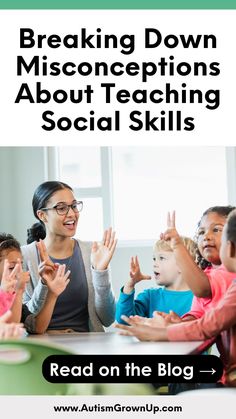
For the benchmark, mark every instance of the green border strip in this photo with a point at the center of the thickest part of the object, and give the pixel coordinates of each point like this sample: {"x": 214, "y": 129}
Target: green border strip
{"x": 117, "y": 4}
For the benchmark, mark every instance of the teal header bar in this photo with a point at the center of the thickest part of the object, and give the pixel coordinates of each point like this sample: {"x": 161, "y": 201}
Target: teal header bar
{"x": 117, "y": 4}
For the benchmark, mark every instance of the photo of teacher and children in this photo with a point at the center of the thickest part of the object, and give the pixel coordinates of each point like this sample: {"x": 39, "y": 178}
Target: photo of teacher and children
{"x": 152, "y": 261}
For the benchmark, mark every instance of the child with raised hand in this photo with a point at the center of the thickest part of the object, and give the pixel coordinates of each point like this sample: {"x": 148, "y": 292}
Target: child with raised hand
{"x": 172, "y": 292}
{"x": 219, "y": 319}
{"x": 13, "y": 286}
{"x": 12, "y": 278}
{"x": 13, "y": 281}
{"x": 211, "y": 284}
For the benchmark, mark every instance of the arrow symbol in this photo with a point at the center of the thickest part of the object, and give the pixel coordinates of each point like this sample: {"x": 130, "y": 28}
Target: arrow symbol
{"x": 212, "y": 371}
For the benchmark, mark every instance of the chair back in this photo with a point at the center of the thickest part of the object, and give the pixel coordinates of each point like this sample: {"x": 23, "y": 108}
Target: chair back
{"x": 21, "y": 368}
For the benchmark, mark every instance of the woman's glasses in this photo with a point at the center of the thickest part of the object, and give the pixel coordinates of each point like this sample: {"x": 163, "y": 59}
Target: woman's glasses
{"x": 63, "y": 209}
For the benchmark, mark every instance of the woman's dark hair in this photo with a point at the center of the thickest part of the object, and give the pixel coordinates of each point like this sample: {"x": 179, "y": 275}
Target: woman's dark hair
{"x": 8, "y": 242}
{"x": 223, "y": 211}
{"x": 40, "y": 199}
{"x": 36, "y": 232}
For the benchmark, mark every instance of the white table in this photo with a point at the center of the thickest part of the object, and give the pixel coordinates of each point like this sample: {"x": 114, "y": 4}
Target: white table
{"x": 114, "y": 344}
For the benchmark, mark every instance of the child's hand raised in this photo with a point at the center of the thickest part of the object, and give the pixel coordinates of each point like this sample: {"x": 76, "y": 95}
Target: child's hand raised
{"x": 23, "y": 278}
{"x": 9, "y": 277}
{"x": 171, "y": 235}
{"x": 60, "y": 282}
{"x": 135, "y": 272}
{"x": 135, "y": 276}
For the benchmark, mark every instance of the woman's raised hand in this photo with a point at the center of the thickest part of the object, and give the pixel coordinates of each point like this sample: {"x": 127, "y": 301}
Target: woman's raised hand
{"x": 171, "y": 235}
{"x": 101, "y": 253}
{"x": 47, "y": 269}
{"x": 60, "y": 282}
{"x": 43, "y": 253}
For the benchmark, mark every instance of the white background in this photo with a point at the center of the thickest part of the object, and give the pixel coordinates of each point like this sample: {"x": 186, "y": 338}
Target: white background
{"x": 21, "y": 123}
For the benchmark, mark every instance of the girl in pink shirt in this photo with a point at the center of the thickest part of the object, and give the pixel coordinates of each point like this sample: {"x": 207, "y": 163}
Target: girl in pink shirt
{"x": 12, "y": 287}
{"x": 208, "y": 279}
{"x": 12, "y": 278}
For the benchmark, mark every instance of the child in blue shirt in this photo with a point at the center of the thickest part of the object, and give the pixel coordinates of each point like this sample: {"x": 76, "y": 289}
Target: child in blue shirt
{"x": 172, "y": 292}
